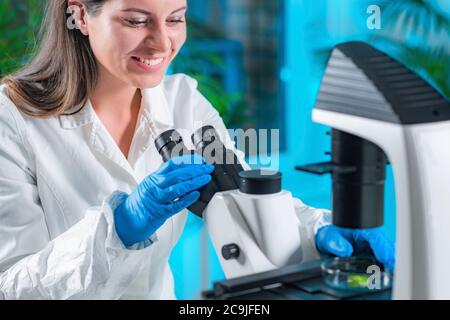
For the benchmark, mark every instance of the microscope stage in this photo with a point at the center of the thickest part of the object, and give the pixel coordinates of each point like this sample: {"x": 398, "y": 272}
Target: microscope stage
{"x": 296, "y": 282}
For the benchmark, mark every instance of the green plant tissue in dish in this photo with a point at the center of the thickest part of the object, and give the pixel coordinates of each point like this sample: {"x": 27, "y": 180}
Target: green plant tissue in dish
{"x": 357, "y": 281}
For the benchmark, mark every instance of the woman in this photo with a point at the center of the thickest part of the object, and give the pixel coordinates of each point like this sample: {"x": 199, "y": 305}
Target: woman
{"x": 87, "y": 209}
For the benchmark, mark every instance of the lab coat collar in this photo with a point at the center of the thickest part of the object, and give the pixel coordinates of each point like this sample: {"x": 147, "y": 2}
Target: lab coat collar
{"x": 83, "y": 117}
{"x": 154, "y": 107}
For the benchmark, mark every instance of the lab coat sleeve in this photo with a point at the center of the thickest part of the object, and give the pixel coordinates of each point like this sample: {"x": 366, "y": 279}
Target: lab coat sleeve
{"x": 310, "y": 220}
{"x": 88, "y": 261}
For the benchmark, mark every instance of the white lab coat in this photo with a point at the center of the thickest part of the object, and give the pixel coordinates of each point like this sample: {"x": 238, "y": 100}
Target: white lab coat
{"x": 57, "y": 234}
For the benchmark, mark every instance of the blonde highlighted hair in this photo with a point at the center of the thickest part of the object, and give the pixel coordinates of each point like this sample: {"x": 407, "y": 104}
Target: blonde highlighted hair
{"x": 63, "y": 71}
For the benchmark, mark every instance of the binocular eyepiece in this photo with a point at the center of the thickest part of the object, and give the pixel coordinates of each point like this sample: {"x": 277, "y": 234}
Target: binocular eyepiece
{"x": 206, "y": 143}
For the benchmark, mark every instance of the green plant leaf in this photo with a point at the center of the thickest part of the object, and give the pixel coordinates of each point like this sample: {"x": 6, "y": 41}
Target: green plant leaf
{"x": 18, "y": 26}
{"x": 421, "y": 37}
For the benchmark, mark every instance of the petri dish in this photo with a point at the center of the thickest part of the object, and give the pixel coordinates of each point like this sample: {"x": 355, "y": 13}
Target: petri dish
{"x": 362, "y": 274}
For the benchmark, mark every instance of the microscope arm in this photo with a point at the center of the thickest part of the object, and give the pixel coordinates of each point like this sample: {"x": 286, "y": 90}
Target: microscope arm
{"x": 310, "y": 219}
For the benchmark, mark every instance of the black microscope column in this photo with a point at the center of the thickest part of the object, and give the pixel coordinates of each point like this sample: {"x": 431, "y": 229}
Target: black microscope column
{"x": 358, "y": 194}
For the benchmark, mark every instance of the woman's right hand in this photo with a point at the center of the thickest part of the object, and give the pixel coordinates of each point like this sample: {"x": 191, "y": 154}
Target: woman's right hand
{"x": 159, "y": 196}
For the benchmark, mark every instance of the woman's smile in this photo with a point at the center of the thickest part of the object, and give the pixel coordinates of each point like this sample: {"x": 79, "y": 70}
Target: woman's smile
{"x": 149, "y": 64}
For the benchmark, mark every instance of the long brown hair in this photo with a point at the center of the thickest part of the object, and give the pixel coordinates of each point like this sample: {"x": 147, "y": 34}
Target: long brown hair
{"x": 63, "y": 71}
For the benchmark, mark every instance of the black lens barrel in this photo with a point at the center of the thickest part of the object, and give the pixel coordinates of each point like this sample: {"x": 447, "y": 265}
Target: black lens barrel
{"x": 358, "y": 196}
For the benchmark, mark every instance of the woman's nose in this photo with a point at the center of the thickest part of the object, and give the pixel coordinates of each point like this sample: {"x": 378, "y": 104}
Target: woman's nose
{"x": 158, "y": 38}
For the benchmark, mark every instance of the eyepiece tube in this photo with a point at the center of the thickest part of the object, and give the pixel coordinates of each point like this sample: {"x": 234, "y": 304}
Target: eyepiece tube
{"x": 208, "y": 144}
{"x": 170, "y": 145}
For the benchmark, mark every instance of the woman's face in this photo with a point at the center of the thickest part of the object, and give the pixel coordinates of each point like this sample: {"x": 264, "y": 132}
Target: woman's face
{"x": 136, "y": 40}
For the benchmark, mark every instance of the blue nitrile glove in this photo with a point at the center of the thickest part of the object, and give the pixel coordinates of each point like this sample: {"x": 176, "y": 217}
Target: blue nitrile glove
{"x": 159, "y": 196}
{"x": 344, "y": 242}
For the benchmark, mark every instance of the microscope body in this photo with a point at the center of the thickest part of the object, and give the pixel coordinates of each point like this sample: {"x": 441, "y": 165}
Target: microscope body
{"x": 373, "y": 97}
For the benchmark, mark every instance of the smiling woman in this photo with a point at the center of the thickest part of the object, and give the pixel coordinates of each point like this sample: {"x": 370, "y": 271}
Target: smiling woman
{"x": 122, "y": 41}
{"x": 88, "y": 209}
{"x": 136, "y": 44}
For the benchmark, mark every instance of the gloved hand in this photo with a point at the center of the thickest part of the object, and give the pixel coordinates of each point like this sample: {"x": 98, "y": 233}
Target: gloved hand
{"x": 159, "y": 196}
{"x": 344, "y": 242}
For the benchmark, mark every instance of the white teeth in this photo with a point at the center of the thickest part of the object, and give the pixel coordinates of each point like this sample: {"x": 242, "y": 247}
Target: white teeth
{"x": 151, "y": 62}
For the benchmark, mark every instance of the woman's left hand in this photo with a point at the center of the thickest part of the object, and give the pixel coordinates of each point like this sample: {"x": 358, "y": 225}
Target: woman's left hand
{"x": 344, "y": 242}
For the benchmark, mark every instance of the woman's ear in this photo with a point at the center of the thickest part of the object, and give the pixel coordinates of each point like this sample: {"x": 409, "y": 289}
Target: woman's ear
{"x": 77, "y": 16}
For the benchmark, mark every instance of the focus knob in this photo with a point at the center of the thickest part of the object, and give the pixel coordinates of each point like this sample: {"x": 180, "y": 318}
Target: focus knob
{"x": 230, "y": 251}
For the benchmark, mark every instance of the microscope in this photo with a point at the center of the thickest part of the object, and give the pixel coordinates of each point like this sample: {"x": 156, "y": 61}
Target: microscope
{"x": 380, "y": 110}
{"x": 380, "y": 113}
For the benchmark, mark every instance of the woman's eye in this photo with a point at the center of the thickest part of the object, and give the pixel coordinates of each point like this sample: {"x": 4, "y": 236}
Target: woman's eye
{"x": 175, "y": 21}
{"x": 136, "y": 23}
{"x": 140, "y": 22}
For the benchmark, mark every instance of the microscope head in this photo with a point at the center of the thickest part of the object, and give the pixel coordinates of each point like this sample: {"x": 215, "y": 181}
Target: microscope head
{"x": 365, "y": 82}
